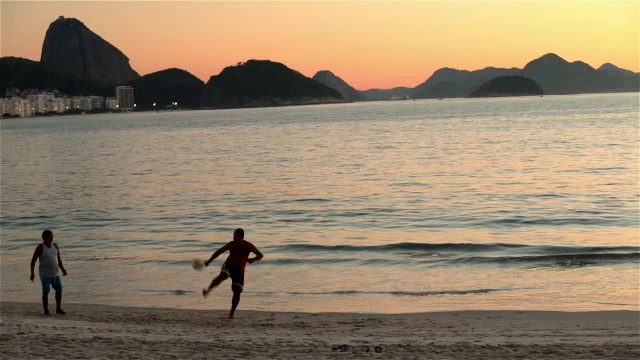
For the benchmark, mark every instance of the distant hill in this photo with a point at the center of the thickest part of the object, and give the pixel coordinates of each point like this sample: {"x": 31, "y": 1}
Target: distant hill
{"x": 346, "y": 91}
{"x": 387, "y": 94}
{"x": 510, "y": 85}
{"x": 447, "y": 82}
{"x": 610, "y": 68}
{"x": 264, "y": 83}
{"x": 558, "y": 76}
{"x": 26, "y": 74}
{"x": 69, "y": 42}
{"x": 165, "y": 87}
{"x": 620, "y": 79}
{"x": 444, "y": 89}
{"x": 551, "y": 72}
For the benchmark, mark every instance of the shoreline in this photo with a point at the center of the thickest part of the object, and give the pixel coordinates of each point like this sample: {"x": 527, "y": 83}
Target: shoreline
{"x": 97, "y": 331}
{"x": 302, "y": 103}
{"x": 256, "y": 106}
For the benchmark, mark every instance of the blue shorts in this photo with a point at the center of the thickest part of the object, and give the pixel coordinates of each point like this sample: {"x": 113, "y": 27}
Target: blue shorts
{"x": 48, "y": 282}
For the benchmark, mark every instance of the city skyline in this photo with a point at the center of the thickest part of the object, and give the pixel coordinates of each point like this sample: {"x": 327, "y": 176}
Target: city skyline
{"x": 367, "y": 44}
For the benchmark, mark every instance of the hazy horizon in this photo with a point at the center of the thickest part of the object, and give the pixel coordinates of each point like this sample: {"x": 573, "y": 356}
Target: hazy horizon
{"x": 368, "y": 44}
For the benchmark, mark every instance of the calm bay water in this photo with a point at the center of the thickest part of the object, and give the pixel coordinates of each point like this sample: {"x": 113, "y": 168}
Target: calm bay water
{"x": 513, "y": 203}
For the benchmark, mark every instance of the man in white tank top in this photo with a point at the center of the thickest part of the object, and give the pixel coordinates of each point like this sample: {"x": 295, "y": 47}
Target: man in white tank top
{"x": 49, "y": 255}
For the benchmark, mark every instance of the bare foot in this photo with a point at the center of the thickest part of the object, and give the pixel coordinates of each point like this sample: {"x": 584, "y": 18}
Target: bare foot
{"x": 46, "y": 312}
{"x": 60, "y": 312}
{"x": 231, "y": 316}
{"x": 205, "y": 292}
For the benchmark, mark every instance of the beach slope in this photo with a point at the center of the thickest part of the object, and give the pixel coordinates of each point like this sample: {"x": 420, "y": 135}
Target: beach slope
{"x": 108, "y": 332}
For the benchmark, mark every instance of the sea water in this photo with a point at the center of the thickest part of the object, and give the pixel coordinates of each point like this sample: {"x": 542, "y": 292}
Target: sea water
{"x": 402, "y": 206}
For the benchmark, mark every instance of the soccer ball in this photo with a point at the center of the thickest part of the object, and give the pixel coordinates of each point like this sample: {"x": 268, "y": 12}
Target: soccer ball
{"x": 197, "y": 264}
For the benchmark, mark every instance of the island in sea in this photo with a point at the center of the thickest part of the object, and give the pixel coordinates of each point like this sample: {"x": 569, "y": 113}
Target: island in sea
{"x": 509, "y": 85}
{"x": 258, "y": 83}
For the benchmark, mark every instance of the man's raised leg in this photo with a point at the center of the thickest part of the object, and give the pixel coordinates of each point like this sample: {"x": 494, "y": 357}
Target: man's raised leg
{"x": 215, "y": 282}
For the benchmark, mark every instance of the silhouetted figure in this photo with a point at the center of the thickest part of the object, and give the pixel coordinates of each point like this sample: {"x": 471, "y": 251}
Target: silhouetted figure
{"x": 234, "y": 266}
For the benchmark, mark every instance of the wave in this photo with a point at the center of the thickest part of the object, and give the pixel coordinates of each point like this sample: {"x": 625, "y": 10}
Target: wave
{"x": 557, "y": 260}
{"x": 409, "y": 255}
{"x": 392, "y": 293}
{"x": 178, "y": 292}
{"x": 564, "y": 260}
{"x": 330, "y": 261}
{"x": 430, "y": 248}
{"x": 405, "y": 246}
{"x": 312, "y": 200}
{"x": 454, "y": 254}
{"x": 569, "y": 221}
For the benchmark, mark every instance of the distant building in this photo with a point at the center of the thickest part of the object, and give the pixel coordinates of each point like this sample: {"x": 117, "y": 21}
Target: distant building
{"x": 58, "y": 105}
{"x": 68, "y": 104}
{"x": 97, "y": 102}
{"x": 42, "y": 102}
{"x": 4, "y": 106}
{"x": 26, "y": 108}
{"x": 17, "y": 107}
{"x": 76, "y": 103}
{"x": 86, "y": 104}
{"x": 124, "y": 95}
{"x": 111, "y": 103}
{"x": 46, "y": 103}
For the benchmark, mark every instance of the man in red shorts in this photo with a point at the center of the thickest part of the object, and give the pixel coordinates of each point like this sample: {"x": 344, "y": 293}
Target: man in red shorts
{"x": 234, "y": 266}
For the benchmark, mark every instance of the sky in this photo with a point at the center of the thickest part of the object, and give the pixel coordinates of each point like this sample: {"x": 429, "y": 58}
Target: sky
{"x": 379, "y": 44}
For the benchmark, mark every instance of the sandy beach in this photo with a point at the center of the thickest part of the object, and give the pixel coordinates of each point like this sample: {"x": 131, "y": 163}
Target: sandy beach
{"x": 101, "y": 332}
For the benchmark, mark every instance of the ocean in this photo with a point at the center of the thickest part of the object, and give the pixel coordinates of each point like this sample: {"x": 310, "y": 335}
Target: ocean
{"x": 524, "y": 203}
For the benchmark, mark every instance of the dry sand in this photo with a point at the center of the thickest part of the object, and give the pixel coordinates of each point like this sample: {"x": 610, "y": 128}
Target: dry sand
{"x": 111, "y": 332}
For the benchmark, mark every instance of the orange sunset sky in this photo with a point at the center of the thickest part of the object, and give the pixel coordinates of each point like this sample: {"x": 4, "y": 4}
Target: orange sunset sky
{"x": 367, "y": 44}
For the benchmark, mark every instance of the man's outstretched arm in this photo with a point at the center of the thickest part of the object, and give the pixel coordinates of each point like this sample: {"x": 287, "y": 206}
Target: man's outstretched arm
{"x": 257, "y": 257}
{"x": 216, "y": 254}
{"x": 64, "y": 272}
{"x": 34, "y": 258}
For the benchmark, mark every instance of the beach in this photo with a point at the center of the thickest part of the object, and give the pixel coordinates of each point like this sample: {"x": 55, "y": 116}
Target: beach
{"x": 101, "y": 332}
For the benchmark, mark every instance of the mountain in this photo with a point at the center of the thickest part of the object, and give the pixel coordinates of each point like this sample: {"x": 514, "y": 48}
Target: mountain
{"x": 558, "y": 76}
{"x": 26, "y": 74}
{"x": 388, "y": 94}
{"x": 608, "y": 67}
{"x": 447, "y": 82}
{"x": 551, "y": 72}
{"x": 69, "y": 42}
{"x": 510, "y": 85}
{"x": 621, "y": 79}
{"x": 165, "y": 87}
{"x": 348, "y": 93}
{"x": 264, "y": 83}
{"x": 444, "y": 89}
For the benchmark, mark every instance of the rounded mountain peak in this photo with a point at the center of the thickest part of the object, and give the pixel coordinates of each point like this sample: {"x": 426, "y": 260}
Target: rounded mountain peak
{"x": 61, "y": 20}
{"x": 608, "y": 66}
{"x": 324, "y": 73}
{"x": 552, "y": 58}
